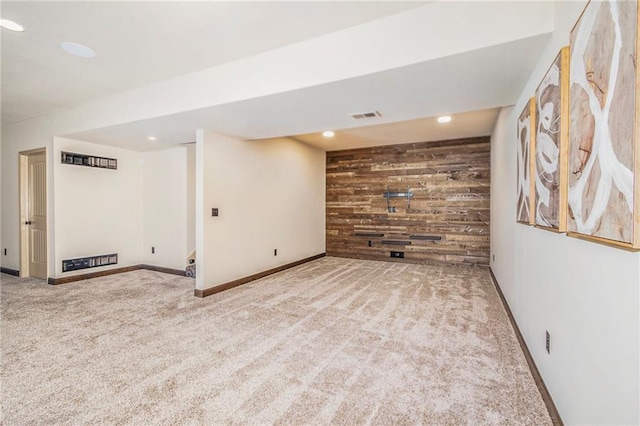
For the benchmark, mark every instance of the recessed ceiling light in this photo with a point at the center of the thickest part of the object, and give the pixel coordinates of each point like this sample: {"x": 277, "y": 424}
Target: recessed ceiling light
{"x": 152, "y": 138}
{"x": 10, "y": 25}
{"x": 444, "y": 119}
{"x": 328, "y": 134}
{"x": 77, "y": 49}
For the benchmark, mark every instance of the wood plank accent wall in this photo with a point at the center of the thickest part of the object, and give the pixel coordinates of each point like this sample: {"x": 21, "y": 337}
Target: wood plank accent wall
{"x": 444, "y": 220}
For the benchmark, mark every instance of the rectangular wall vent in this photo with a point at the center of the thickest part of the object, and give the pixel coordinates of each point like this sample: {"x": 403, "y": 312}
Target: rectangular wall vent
{"x": 88, "y": 160}
{"x": 368, "y": 114}
{"x": 89, "y": 262}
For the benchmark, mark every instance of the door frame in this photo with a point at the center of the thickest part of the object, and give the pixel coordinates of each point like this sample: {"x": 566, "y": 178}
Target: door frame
{"x": 23, "y": 196}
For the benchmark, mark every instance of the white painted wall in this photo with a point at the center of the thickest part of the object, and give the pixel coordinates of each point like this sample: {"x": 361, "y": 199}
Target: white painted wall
{"x": 164, "y": 196}
{"x": 97, "y": 211}
{"x": 270, "y": 195}
{"x": 11, "y": 147}
{"x": 205, "y": 179}
{"x": 2, "y": 255}
{"x": 191, "y": 197}
{"x": 585, "y": 294}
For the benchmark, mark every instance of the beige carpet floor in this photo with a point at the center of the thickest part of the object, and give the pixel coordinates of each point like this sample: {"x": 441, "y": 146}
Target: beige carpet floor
{"x": 334, "y": 341}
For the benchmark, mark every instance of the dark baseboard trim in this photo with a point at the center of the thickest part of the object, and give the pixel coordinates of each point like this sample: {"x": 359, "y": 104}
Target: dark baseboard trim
{"x": 74, "y": 278}
{"x": 10, "y": 271}
{"x": 411, "y": 261}
{"x": 235, "y": 283}
{"x": 164, "y": 270}
{"x": 542, "y": 388}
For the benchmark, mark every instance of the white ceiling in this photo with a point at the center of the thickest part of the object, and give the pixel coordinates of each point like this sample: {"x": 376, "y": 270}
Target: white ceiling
{"x": 427, "y": 89}
{"x": 141, "y": 42}
{"x": 463, "y": 125}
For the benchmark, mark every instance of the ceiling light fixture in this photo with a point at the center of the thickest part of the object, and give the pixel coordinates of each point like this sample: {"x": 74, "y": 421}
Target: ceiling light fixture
{"x": 328, "y": 134}
{"x": 152, "y": 138}
{"x": 444, "y": 119}
{"x": 10, "y": 25}
{"x": 77, "y": 49}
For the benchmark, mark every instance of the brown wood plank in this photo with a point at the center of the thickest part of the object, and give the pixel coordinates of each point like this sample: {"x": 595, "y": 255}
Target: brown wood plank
{"x": 450, "y": 182}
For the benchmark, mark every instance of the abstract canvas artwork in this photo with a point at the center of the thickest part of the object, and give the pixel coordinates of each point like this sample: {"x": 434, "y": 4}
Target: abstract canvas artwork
{"x": 552, "y": 133}
{"x": 603, "y": 115}
{"x": 526, "y": 143}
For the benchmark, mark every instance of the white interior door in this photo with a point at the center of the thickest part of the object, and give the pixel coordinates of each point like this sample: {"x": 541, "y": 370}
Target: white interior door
{"x": 36, "y": 220}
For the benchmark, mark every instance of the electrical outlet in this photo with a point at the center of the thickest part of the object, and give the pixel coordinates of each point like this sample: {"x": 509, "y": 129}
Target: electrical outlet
{"x": 275, "y": 252}
{"x": 547, "y": 342}
{"x": 153, "y": 250}
{"x": 494, "y": 257}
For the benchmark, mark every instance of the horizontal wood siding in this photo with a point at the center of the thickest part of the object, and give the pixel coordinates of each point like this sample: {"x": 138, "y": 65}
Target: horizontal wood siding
{"x": 449, "y": 182}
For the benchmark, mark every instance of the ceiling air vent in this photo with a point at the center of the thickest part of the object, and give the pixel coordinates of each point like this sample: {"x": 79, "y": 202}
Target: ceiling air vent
{"x": 368, "y": 114}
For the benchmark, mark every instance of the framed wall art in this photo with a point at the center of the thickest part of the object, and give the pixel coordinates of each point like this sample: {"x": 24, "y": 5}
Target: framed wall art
{"x": 526, "y": 146}
{"x": 551, "y": 146}
{"x": 604, "y": 156}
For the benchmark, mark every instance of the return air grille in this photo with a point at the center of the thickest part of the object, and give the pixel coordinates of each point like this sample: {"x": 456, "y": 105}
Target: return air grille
{"x": 89, "y": 262}
{"x": 88, "y": 160}
{"x": 368, "y": 114}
